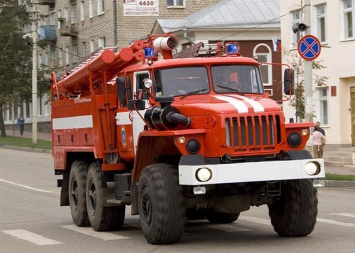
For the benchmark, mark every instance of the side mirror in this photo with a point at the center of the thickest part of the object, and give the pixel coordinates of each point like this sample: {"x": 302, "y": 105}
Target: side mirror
{"x": 289, "y": 82}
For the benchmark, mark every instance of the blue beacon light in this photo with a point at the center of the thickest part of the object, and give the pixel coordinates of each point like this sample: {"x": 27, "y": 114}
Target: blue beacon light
{"x": 232, "y": 48}
{"x": 149, "y": 53}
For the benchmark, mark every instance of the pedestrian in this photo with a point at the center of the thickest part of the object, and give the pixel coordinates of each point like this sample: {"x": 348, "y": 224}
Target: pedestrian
{"x": 21, "y": 123}
{"x": 318, "y": 142}
{"x": 320, "y": 129}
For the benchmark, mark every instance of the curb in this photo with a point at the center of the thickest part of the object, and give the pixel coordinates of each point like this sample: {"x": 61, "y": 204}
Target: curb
{"x": 320, "y": 183}
{"x": 28, "y": 149}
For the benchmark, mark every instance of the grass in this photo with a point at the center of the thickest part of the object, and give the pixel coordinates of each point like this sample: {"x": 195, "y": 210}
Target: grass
{"x": 339, "y": 177}
{"x": 25, "y": 142}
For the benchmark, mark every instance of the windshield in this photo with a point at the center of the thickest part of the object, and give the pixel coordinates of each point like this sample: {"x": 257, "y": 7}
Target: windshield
{"x": 236, "y": 78}
{"x": 181, "y": 81}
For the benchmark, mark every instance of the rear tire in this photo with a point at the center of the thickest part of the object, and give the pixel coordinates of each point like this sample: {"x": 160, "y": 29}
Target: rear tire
{"x": 161, "y": 204}
{"x": 294, "y": 213}
{"x": 101, "y": 218}
{"x": 77, "y": 198}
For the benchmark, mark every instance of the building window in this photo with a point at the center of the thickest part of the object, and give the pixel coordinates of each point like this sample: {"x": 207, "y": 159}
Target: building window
{"x": 82, "y": 11}
{"x": 73, "y": 14}
{"x": 100, "y": 6}
{"x": 175, "y": 3}
{"x": 75, "y": 54}
{"x": 92, "y": 46}
{"x": 321, "y": 22}
{"x": 40, "y": 61}
{"x": 263, "y": 52}
{"x": 59, "y": 14}
{"x": 52, "y": 58}
{"x": 67, "y": 60}
{"x": 60, "y": 57}
{"x": 348, "y": 18}
{"x": 83, "y": 50}
{"x": 102, "y": 42}
{"x": 296, "y": 18}
{"x": 46, "y": 59}
{"x": 91, "y": 9}
{"x": 323, "y": 105}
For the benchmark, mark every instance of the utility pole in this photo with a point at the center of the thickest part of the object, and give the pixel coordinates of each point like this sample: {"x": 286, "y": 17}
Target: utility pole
{"x": 34, "y": 71}
{"x": 308, "y": 85}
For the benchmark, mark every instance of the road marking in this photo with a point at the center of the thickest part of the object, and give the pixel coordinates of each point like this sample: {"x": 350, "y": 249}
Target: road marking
{"x": 333, "y": 222}
{"x": 351, "y": 215}
{"x": 256, "y": 220}
{"x": 106, "y": 236}
{"x": 31, "y": 237}
{"x": 24, "y": 186}
{"x": 228, "y": 228}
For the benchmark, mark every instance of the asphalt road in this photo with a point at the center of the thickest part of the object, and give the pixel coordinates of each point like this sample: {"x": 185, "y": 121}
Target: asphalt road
{"x": 31, "y": 220}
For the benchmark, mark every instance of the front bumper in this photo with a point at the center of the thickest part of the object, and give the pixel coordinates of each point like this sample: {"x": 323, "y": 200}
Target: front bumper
{"x": 251, "y": 172}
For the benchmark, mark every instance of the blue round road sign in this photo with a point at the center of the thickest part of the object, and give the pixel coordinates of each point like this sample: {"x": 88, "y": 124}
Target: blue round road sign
{"x": 309, "y": 47}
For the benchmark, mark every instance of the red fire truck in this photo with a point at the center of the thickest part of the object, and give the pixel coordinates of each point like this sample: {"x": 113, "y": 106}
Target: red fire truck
{"x": 174, "y": 139}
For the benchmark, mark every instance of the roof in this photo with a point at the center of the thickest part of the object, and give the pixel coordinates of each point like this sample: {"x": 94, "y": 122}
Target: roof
{"x": 229, "y": 14}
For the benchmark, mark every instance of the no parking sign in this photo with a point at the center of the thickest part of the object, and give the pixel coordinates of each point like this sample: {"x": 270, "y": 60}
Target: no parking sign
{"x": 309, "y": 47}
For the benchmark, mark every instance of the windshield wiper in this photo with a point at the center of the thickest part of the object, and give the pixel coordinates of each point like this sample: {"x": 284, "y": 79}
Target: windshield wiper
{"x": 229, "y": 88}
{"x": 193, "y": 92}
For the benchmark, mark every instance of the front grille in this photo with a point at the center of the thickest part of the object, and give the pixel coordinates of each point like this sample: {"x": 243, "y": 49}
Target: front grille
{"x": 258, "y": 132}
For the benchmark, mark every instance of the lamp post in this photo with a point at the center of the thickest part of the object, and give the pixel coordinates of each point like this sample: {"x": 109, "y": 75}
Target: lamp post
{"x": 34, "y": 71}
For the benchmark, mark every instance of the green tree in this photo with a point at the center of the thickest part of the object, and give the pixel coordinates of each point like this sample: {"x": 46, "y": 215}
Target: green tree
{"x": 297, "y": 63}
{"x": 15, "y": 57}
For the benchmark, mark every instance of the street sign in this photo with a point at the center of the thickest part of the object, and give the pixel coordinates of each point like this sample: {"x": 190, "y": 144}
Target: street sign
{"x": 309, "y": 47}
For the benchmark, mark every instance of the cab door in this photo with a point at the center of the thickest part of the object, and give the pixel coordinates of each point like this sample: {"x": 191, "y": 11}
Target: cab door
{"x": 138, "y": 123}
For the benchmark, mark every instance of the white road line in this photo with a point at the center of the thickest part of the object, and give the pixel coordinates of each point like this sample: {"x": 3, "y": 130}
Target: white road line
{"x": 351, "y": 215}
{"x": 31, "y": 237}
{"x": 228, "y": 228}
{"x": 106, "y": 236}
{"x": 255, "y": 220}
{"x": 333, "y": 222}
{"x": 24, "y": 186}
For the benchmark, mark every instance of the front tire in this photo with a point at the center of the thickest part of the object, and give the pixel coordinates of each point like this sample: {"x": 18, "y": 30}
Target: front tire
{"x": 161, "y": 204}
{"x": 101, "y": 218}
{"x": 294, "y": 213}
{"x": 77, "y": 198}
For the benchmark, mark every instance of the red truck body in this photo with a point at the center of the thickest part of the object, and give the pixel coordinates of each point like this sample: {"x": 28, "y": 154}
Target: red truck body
{"x": 136, "y": 127}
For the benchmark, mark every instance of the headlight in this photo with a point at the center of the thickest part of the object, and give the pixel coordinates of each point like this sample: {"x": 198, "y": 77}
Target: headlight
{"x": 304, "y": 132}
{"x": 148, "y": 83}
{"x": 312, "y": 168}
{"x": 294, "y": 139}
{"x": 203, "y": 174}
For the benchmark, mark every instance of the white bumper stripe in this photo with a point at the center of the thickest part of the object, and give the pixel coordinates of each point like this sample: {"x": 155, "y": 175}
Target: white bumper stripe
{"x": 250, "y": 172}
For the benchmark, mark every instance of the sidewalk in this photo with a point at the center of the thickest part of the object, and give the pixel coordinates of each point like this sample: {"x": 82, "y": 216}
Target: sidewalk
{"x": 26, "y": 134}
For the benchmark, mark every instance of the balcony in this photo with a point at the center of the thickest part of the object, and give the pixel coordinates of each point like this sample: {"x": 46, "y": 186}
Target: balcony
{"x": 51, "y": 3}
{"x": 68, "y": 28}
{"x": 47, "y": 32}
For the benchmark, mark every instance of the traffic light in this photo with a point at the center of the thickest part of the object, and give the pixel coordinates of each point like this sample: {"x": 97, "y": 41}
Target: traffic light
{"x": 298, "y": 27}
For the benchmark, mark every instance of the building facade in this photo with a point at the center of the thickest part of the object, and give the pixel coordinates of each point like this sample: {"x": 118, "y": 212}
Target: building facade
{"x": 70, "y": 30}
{"x": 332, "y": 22}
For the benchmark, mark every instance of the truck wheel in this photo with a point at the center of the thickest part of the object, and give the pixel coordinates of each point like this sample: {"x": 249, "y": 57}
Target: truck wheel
{"x": 294, "y": 213}
{"x": 77, "y": 187}
{"x": 101, "y": 218}
{"x": 161, "y": 204}
{"x": 221, "y": 218}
